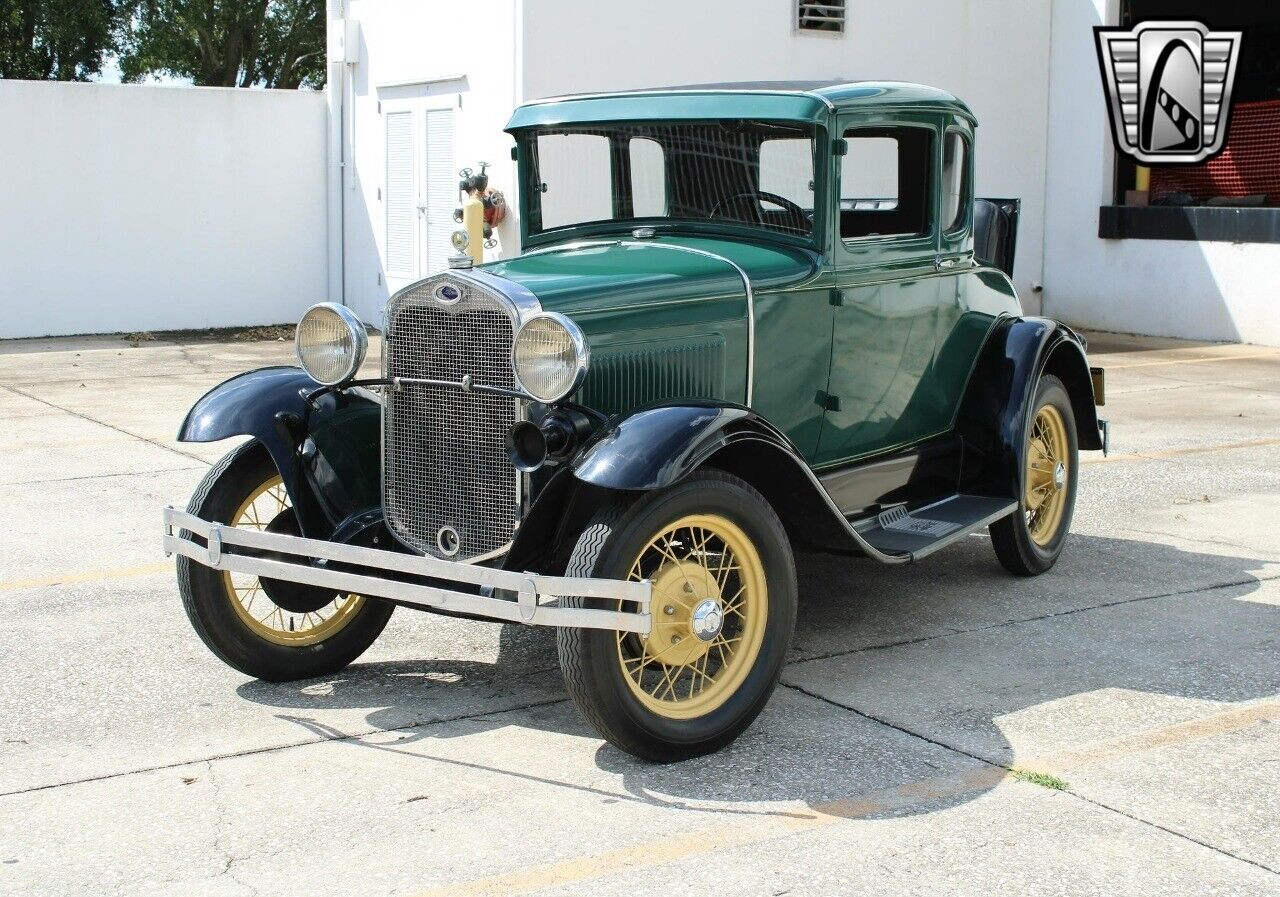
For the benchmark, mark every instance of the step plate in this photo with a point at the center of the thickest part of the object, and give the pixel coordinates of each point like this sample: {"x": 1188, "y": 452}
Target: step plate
{"x": 901, "y": 521}
{"x": 898, "y": 531}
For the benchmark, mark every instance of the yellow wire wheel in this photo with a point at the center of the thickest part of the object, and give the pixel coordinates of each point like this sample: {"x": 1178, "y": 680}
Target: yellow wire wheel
{"x": 1048, "y": 475}
{"x": 710, "y": 610}
{"x": 255, "y": 609}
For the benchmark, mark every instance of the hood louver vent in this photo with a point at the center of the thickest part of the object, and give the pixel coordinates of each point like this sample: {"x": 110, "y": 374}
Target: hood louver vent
{"x": 820, "y": 16}
{"x": 622, "y": 381}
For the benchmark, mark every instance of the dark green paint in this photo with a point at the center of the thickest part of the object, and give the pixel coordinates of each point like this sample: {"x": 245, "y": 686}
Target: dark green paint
{"x": 860, "y": 346}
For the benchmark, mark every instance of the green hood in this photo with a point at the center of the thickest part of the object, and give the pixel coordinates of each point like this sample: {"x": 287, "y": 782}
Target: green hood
{"x": 591, "y": 281}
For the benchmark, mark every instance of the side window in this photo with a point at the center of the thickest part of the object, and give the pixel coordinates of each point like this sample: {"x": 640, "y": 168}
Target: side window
{"x": 648, "y": 178}
{"x": 577, "y": 180}
{"x": 884, "y": 182}
{"x": 955, "y": 180}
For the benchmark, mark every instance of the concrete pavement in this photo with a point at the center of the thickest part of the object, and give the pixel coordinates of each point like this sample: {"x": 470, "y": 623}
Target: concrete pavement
{"x": 1135, "y": 689}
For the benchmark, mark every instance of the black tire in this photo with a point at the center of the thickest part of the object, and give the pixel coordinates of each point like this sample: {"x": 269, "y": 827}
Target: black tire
{"x": 589, "y": 658}
{"x": 1011, "y": 536}
{"x": 208, "y": 602}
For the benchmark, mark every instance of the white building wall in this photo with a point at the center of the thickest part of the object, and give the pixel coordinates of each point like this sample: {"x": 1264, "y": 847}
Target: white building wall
{"x": 1210, "y": 291}
{"x": 993, "y": 54}
{"x": 415, "y": 55}
{"x": 129, "y": 208}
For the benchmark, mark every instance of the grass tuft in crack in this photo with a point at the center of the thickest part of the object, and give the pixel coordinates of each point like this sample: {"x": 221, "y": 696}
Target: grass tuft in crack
{"x": 1043, "y": 779}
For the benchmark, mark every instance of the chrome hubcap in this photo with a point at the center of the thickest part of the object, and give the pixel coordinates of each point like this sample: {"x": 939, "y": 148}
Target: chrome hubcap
{"x": 708, "y": 618}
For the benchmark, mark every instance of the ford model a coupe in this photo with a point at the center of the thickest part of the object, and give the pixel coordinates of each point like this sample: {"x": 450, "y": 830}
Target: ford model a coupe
{"x": 747, "y": 319}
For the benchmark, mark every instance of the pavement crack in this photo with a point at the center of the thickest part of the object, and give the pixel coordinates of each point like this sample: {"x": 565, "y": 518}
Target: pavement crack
{"x": 919, "y": 736}
{"x": 1234, "y": 546}
{"x": 101, "y": 476}
{"x": 1172, "y": 831}
{"x": 157, "y": 443}
{"x": 335, "y": 735}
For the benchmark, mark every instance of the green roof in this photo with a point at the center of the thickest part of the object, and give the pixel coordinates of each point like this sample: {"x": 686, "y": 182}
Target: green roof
{"x": 779, "y": 100}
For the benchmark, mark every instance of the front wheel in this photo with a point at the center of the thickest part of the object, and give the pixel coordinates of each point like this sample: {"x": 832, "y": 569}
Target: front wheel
{"x": 724, "y": 608}
{"x": 268, "y": 629}
{"x": 1029, "y": 541}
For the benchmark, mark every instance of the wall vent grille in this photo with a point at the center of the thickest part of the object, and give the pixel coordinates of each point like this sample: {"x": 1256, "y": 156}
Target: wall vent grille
{"x": 820, "y": 16}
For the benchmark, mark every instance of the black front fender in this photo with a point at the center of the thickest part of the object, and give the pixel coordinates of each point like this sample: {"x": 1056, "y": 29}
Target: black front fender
{"x": 659, "y": 446}
{"x": 326, "y": 448}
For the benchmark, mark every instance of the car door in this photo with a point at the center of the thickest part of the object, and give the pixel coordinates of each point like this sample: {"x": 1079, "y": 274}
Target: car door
{"x": 892, "y": 310}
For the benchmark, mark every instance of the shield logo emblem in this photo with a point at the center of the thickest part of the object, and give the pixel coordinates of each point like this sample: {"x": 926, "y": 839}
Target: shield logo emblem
{"x": 1168, "y": 87}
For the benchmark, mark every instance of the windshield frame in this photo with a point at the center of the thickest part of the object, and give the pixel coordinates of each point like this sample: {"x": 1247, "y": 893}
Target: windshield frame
{"x": 524, "y": 154}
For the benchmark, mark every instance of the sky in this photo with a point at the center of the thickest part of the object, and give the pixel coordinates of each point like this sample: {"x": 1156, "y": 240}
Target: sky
{"x": 110, "y": 74}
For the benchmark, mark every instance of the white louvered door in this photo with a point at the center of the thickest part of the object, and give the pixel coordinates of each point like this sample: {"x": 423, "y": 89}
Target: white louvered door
{"x": 400, "y": 198}
{"x": 420, "y": 190}
{"x": 439, "y": 190}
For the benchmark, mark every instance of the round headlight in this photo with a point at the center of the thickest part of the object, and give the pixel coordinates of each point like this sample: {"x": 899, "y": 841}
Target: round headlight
{"x": 550, "y": 356}
{"x": 331, "y": 343}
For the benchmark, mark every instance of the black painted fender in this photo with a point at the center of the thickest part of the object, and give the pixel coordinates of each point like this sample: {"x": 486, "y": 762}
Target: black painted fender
{"x": 327, "y": 450}
{"x": 659, "y": 446}
{"x": 994, "y": 413}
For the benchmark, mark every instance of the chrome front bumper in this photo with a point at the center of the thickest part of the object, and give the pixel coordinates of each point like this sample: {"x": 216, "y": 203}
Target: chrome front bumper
{"x": 308, "y": 561}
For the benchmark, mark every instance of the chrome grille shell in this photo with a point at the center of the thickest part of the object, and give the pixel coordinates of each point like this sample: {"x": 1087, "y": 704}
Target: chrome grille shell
{"x": 445, "y": 462}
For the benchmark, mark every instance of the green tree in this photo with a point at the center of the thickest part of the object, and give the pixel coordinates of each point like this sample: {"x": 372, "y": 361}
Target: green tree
{"x": 227, "y": 43}
{"x": 55, "y": 40}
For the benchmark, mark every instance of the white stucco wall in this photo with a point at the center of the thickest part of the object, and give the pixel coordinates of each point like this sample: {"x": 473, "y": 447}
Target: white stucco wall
{"x": 424, "y": 53}
{"x": 1209, "y": 291}
{"x": 993, "y": 54}
{"x": 128, "y": 208}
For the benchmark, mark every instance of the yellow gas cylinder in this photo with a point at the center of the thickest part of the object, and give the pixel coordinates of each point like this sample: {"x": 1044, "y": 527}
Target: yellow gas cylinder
{"x": 473, "y": 223}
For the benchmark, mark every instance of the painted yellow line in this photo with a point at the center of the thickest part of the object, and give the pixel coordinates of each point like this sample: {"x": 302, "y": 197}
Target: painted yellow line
{"x": 1206, "y": 360}
{"x": 1153, "y": 739}
{"x": 699, "y": 842}
{"x": 95, "y": 576}
{"x": 1174, "y": 453}
{"x": 681, "y": 845}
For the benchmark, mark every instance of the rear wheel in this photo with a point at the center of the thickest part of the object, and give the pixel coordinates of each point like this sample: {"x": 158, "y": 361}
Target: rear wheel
{"x": 268, "y": 629}
{"x": 1029, "y": 541}
{"x": 724, "y": 605}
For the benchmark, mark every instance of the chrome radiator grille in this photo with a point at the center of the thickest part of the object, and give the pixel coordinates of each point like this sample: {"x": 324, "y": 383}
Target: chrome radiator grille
{"x": 445, "y": 465}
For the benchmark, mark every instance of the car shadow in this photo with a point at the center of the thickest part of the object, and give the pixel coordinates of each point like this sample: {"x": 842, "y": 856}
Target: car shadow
{"x": 947, "y": 650}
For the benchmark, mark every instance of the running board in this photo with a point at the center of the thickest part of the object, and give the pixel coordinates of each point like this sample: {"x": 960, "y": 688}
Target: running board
{"x": 915, "y": 534}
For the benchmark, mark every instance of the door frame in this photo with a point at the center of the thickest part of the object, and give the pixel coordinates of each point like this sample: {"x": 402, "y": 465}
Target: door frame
{"x": 868, "y": 259}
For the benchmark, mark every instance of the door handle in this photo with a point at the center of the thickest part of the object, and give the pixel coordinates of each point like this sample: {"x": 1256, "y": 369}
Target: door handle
{"x": 952, "y": 262}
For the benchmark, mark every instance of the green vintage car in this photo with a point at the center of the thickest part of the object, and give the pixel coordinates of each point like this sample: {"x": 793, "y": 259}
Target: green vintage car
{"x": 748, "y": 319}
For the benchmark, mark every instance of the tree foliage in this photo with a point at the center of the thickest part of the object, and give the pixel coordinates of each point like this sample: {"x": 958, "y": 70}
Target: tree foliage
{"x": 56, "y": 40}
{"x": 226, "y": 43}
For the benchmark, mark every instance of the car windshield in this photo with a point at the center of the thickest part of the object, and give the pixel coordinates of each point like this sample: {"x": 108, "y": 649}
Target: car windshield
{"x": 752, "y": 173}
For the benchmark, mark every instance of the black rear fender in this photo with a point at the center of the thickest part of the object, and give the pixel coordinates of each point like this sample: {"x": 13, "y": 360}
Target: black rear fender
{"x": 994, "y": 412}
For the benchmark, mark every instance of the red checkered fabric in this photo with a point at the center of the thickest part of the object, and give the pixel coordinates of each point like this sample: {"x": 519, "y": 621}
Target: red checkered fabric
{"x": 1250, "y": 164}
